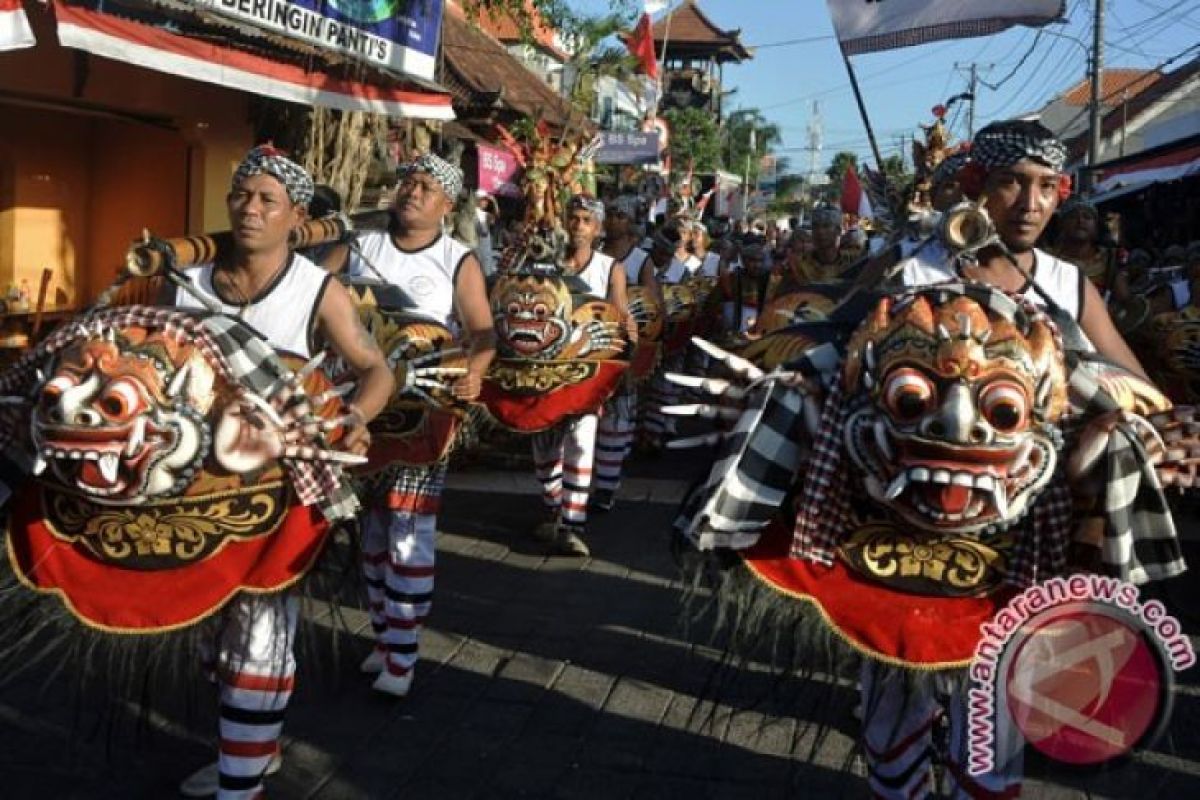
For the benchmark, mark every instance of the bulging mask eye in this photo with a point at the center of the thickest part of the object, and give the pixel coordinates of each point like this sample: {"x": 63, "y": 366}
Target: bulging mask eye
{"x": 908, "y": 395}
{"x": 1004, "y": 406}
{"x": 120, "y": 400}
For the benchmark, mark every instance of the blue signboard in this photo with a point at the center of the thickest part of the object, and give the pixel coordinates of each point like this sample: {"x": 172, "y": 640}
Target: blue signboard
{"x": 396, "y": 35}
{"x": 628, "y": 147}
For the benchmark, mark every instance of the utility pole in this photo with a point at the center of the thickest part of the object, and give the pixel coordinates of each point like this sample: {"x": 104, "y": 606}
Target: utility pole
{"x": 972, "y": 89}
{"x": 1094, "y": 112}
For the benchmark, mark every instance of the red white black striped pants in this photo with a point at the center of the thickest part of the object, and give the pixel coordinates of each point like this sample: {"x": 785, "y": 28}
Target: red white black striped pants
{"x": 899, "y": 718}
{"x": 399, "y": 548}
{"x": 563, "y": 458}
{"x": 256, "y": 671}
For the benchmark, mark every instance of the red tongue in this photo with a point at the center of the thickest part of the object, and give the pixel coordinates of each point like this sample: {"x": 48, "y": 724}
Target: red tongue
{"x": 954, "y": 498}
{"x": 89, "y": 473}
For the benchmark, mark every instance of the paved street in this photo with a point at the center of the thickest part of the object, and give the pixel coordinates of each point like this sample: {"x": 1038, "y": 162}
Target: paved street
{"x": 541, "y": 677}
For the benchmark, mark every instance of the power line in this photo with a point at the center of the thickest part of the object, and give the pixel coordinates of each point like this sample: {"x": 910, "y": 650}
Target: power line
{"x": 790, "y": 42}
{"x": 1116, "y": 92}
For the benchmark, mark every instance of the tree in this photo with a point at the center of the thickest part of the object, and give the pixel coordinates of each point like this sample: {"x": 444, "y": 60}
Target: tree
{"x": 589, "y": 61}
{"x": 737, "y": 137}
{"x": 694, "y": 135}
{"x": 837, "y": 169}
{"x": 556, "y": 14}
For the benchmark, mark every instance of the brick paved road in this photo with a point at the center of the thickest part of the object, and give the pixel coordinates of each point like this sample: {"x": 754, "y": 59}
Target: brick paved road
{"x": 542, "y": 677}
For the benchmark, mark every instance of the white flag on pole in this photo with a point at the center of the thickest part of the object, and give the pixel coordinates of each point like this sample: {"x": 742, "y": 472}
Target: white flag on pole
{"x": 652, "y": 7}
{"x": 864, "y": 27}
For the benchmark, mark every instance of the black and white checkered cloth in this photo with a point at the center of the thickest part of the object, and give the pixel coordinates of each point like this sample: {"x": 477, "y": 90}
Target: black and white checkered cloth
{"x": 1003, "y": 144}
{"x": 267, "y": 160}
{"x": 754, "y": 472}
{"x": 947, "y": 169}
{"x": 1141, "y": 543}
{"x": 446, "y": 174}
{"x": 241, "y": 354}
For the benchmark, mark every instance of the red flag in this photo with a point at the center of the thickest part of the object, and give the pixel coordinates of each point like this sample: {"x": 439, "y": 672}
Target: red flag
{"x": 854, "y": 199}
{"x": 641, "y": 44}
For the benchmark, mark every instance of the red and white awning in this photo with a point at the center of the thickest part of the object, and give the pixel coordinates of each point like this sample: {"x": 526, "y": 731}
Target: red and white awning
{"x": 15, "y": 32}
{"x": 1137, "y": 175}
{"x": 154, "y": 48}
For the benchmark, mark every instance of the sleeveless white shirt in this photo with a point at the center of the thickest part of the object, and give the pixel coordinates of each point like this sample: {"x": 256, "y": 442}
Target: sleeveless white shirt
{"x": 285, "y": 312}
{"x": 597, "y": 273}
{"x": 711, "y": 266}
{"x": 425, "y": 276}
{"x": 633, "y": 261}
{"x": 678, "y": 270}
{"x": 1060, "y": 280}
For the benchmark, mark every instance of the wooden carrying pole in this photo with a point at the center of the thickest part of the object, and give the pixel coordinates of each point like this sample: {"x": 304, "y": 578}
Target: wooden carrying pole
{"x": 149, "y": 256}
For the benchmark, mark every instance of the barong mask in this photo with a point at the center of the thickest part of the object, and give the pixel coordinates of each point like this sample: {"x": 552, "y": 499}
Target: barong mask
{"x": 130, "y": 413}
{"x": 532, "y": 315}
{"x": 122, "y": 416}
{"x": 957, "y": 430}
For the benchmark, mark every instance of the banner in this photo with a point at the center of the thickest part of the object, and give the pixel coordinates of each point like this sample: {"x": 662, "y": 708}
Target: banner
{"x": 397, "y": 35}
{"x": 727, "y": 194}
{"x": 497, "y": 171}
{"x": 628, "y": 147}
{"x": 767, "y": 178}
{"x": 863, "y": 26}
{"x": 15, "y": 32}
{"x": 154, "y": 47}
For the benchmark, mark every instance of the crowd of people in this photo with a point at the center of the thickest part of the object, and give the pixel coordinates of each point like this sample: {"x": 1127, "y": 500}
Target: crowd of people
{"x": 613, "y": 246}
{"x": 739, "y": 275}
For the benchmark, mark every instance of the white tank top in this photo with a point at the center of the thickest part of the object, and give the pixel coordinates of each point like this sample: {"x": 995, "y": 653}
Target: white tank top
{"x": 633, "y": 261}
{"x": 597, "y": 273}
{"x": 285, "y": 312}
{"x": 1060, "y": 280}
{"x": 425, "y": 276}
{"x": 678, "y": 270}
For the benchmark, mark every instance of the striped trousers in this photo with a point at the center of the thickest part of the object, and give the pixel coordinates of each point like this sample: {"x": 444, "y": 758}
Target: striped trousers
{"x": 899, "y": 718}
{"x": 256, "y": 671}
{"x": 614, "y": 437}
{"x": 657, "y": 426}
{"x": 399, "y": 545}
{"x": 562, "y": 457}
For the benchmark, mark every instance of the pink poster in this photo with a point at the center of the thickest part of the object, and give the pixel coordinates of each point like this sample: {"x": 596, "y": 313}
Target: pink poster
{"x": 497, "y": 171}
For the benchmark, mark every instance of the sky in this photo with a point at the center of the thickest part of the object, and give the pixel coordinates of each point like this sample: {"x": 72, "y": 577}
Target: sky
{"x": 900, "y": 87}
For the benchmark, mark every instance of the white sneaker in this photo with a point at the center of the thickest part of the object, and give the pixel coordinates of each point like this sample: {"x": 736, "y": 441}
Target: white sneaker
{"x": 374, "y": 662}
{"x": 397, "y": 685}
{"x": 205, "y": 781}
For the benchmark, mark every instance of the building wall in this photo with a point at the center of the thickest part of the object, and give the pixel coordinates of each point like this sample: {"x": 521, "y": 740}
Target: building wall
{"x": 95, "y": 151}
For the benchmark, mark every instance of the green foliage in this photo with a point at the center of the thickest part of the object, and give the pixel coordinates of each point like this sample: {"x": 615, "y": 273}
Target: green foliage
{"x": 557, "y": 14}
{"x": 694, "y": 135}
{"x": 837, "y": 168}
{"x": 736, "y": 140}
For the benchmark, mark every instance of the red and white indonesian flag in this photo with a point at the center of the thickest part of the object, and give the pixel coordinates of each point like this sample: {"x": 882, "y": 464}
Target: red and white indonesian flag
{"x": 15, "y": 32}
{"x": 854, "y": 199}
{"x": 864, "y": 27}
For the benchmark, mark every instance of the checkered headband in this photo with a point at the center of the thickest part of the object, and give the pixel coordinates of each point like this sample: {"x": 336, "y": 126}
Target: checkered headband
{"x": 627, "y": 204}
{"x": 448, "y": 175}
{"x": 586, "y": 202}
{"x": 826, "y": 216}
{"x": 1003, "y": 144}
{"x": 267, "y": 160}
{"x": 948, "y": 169}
